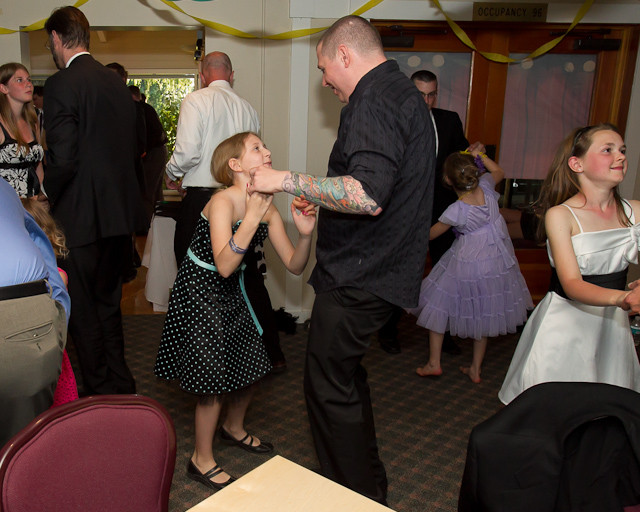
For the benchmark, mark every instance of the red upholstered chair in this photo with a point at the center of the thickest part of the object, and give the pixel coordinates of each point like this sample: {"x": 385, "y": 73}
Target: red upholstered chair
{"x": 100, "y": 453}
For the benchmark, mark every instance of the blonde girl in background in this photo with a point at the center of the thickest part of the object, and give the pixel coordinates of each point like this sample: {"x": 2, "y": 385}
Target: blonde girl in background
{"x": 21, "y": 151}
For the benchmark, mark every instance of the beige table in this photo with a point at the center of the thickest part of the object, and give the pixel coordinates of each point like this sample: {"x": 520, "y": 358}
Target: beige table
{"x": 280, "y": 485}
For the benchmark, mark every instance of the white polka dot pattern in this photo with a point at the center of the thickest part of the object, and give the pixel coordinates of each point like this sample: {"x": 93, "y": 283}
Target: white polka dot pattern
{"x": 209, "y": 341}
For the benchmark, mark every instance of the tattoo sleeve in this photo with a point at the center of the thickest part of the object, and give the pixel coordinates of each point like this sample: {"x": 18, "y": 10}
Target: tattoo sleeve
{"x": 342, "y": 194}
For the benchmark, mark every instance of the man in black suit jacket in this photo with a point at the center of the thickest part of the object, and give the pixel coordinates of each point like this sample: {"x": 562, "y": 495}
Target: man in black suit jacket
{"x": 92, "y": 189}
{"x": 449, "y": 139}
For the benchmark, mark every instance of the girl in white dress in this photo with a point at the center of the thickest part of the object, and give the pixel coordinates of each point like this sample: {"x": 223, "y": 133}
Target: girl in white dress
{"x": 580, "y": 331}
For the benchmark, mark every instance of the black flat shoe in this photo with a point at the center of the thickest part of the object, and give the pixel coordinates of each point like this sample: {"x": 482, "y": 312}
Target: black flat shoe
{"x": 390, "y": 346}
{"x": 279, "y": 367}
{"x": 195, "y": 474}
{"x": 263, "y": 447}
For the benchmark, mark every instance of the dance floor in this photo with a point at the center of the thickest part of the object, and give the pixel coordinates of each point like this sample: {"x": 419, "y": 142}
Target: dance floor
{"x": 422, "y": 424}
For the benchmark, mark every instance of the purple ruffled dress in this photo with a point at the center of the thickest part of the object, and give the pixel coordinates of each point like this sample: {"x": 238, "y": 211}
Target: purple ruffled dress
{"x": 476, "y": 289}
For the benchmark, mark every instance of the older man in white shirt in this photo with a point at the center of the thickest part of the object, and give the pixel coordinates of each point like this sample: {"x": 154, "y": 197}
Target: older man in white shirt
{"x": 207, "y": 117}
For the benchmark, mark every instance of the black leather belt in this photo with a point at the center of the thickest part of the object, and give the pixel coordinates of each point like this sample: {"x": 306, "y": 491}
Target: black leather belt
{"x": 207, "y": 189}
{"x": 17, "y": 291}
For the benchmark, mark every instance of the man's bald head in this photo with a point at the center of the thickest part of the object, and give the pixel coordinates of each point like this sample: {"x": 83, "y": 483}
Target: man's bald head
{"x": 356, "y": 33}
{"x": 216, "y": 66}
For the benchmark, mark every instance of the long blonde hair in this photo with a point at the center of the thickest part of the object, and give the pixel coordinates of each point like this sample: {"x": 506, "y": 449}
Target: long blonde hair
{"x": 28, "y": 112}
{"x": 561, "y": 182}
{"x": 44, "y": 219}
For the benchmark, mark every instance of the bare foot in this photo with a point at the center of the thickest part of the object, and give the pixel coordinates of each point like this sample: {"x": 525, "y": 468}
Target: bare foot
{"x": 429, "y": 370}
{"x": 473, "y": 375}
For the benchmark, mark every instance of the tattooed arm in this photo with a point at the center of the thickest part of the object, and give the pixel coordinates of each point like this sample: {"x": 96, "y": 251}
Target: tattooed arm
{"x": 342, "y": 194}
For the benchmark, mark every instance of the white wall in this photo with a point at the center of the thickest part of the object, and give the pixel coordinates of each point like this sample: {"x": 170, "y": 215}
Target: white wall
{"x": 280, "y": 78}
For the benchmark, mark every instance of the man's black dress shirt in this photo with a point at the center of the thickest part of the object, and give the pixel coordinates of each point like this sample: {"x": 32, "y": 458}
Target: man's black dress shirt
{"x": 385, "y": 141}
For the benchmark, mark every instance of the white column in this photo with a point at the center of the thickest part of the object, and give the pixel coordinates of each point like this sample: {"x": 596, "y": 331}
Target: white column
{"x": 298, "y": 121}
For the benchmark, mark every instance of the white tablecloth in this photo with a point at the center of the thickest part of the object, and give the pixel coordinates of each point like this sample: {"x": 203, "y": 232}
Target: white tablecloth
{"x": 159, "y": 259}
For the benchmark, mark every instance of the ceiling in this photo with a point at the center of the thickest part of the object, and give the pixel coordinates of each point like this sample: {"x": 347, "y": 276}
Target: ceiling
{"x": 141, "y": 51}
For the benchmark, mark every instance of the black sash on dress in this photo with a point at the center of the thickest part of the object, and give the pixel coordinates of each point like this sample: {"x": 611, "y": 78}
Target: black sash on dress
{"x": 616, "y": 281}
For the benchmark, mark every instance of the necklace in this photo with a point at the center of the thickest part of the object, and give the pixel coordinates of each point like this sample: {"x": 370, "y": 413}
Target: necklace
{"x": 464, "y": 194}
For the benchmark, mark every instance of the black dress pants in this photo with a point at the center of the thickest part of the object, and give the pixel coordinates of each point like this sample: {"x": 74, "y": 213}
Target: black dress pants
{"x": 95, "y": 325}
{"x": 336, "y": 389}
{"x": 261, "y": 304}
{"x": 389, "y": 331}
{"x": 191, "y": 207}
{"x": 153, "y": 165}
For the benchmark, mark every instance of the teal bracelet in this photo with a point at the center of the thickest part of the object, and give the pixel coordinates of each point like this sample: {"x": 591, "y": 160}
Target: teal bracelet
{"x": 235, "y": 248}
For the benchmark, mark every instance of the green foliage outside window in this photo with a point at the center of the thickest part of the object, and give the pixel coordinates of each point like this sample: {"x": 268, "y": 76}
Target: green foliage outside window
{"x": 165, "y": 95}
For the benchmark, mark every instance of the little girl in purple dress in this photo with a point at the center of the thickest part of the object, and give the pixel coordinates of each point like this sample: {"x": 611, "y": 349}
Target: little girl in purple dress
{"x": 476, "y": 290}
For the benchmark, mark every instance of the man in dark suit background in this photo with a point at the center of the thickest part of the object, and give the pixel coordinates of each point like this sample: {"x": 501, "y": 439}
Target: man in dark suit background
{"x": 449, "y": 139}
{"x": 91, "y": 185}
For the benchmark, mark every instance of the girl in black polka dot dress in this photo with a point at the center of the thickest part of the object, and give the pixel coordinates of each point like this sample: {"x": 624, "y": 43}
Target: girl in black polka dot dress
{"x": 211, "y": 341}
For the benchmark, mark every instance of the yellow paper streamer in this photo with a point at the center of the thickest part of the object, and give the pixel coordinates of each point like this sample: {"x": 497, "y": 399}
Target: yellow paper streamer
{"x": 366, "y": 7}
{"x": 225, "y": 29}
{"x": 38, "y": 24}
{"x": 496, "y": 57}
{"x": 293, "y": 34}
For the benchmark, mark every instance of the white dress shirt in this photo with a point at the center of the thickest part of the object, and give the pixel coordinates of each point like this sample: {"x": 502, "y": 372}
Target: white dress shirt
{"x": 73, "y": 57}
{"x": 207, "y": 117}
{"x": 435, "y": 130}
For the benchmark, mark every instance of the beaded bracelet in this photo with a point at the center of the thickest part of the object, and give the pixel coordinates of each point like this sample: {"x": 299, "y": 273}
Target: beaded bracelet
{"x": 235, "y": 248}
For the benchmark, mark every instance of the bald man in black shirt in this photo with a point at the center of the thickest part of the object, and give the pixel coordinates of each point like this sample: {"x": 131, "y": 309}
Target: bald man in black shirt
{"x": 373, "y": 232}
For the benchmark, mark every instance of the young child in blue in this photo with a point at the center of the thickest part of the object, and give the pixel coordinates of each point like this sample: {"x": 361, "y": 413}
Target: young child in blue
{"x": 476, "y": 290}
{"x": 211, "y": 341}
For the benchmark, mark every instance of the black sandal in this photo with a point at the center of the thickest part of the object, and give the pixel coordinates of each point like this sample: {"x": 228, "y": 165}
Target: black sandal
{"x": 263, "y": 447}
{"x": 205, "y": 478}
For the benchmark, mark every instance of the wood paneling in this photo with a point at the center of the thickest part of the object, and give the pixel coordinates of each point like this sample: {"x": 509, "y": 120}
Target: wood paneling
{"x": 615, "y": 71}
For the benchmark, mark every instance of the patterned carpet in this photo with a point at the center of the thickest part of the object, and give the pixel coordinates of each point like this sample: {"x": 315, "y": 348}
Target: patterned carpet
{"x": 422, "y": 424}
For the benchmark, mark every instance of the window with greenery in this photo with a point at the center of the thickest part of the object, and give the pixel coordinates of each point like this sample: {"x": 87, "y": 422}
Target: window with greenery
{"x": 165, "y": 95}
